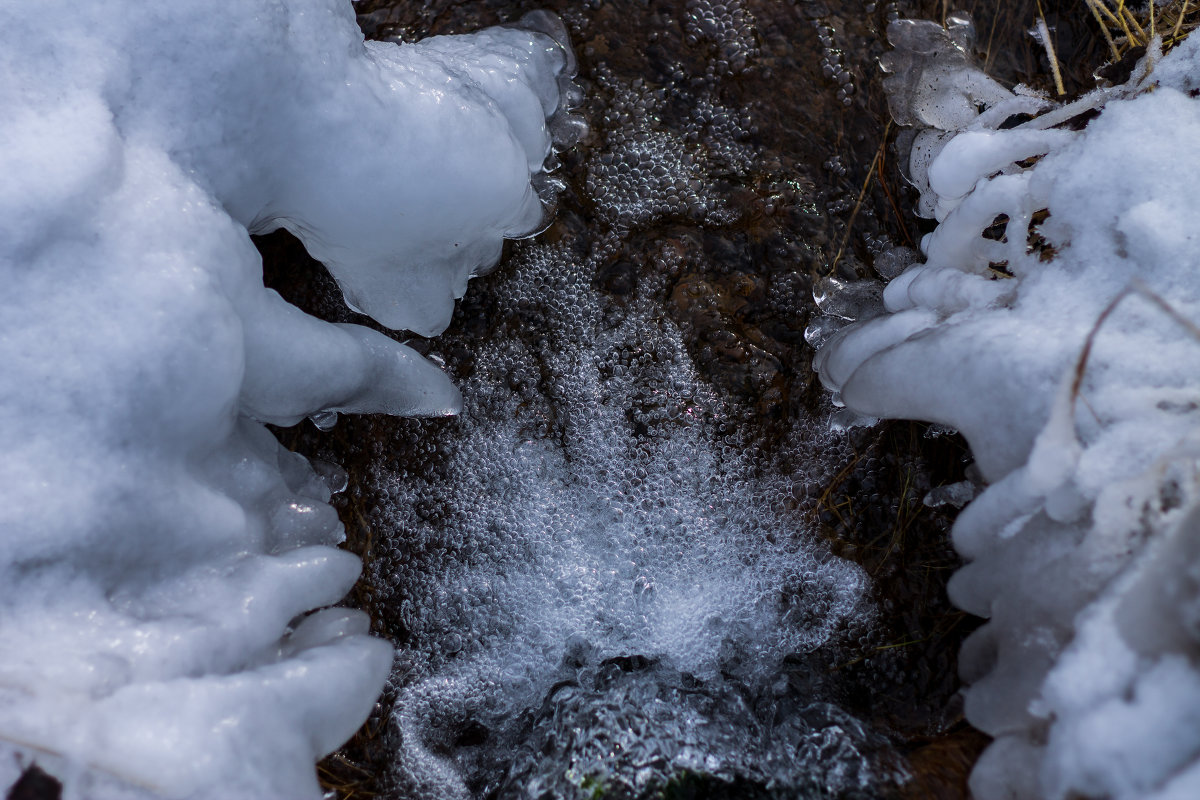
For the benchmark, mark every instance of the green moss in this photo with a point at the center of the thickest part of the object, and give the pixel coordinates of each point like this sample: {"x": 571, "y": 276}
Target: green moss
{"x": 593, "y": 787}
{"x": 696, "y": 786}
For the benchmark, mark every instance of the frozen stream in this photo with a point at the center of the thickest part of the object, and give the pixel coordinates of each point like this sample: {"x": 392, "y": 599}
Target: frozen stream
{"x": 592, "y": 527}
{"x": 609, "y": 576}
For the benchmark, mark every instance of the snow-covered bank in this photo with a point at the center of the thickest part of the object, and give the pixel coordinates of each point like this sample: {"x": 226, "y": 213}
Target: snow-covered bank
{"x": 156, "y": 544}
{"x": 1063, "y": 351}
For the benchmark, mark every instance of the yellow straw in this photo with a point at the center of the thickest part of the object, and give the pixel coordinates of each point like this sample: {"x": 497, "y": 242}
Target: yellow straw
{"x": 1104, "y": 29}
{"x": 1179, "y": 22}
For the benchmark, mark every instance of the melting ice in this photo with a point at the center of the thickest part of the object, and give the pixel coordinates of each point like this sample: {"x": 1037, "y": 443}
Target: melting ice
{"x": 158, "y": 549}
{"x": 1066, "y": 352}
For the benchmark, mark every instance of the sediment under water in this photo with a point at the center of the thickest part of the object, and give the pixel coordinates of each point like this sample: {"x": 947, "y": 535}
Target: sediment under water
{"x": 642, "y": 562}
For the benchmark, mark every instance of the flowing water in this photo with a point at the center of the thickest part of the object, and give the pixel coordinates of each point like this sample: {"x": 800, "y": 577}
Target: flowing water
{"x": 649, "y": 560}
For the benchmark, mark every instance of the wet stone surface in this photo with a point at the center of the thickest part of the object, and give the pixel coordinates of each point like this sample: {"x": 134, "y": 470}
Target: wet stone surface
{"x": 641, "y": 410}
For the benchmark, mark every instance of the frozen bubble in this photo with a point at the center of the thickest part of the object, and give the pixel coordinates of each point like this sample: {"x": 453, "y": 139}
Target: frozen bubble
{"x": 628, "y": 545}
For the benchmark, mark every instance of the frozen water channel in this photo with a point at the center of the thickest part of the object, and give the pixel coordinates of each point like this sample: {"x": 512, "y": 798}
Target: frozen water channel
{"x": 608, "y": 576}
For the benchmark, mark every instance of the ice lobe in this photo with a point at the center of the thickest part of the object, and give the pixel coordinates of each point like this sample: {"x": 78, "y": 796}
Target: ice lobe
{"x": 158, "y": 548}
{"x": 1065, "y": 350}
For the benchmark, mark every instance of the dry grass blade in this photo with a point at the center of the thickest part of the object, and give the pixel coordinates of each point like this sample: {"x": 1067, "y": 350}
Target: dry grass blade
{"x": 1124, "y": 29}
{"x": 861, "y": 194}
{"x": 1112, "y": 46}
{"x": 1138, "y": 287}
{"x": 1133, "y": 20}
{"x": 1179, "y": 21}
{"x": 1047, "y": 42}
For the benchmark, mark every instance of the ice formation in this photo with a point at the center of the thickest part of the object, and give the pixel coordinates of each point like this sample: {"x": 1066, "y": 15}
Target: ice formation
{"x": 1052, "y": 322}
{"x": 597, "y": 586}
{"x": 601, "y": 583}
{"x": 158, "y": 549}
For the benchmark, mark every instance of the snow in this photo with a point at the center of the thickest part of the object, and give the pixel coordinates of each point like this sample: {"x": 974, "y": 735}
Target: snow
{"x": 158, "y": 548}
{"x": 1083, "y": 549}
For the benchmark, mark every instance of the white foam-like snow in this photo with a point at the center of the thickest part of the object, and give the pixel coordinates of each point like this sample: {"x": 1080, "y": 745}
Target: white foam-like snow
{"x": 157, "y": 546}
{"x": 1083, "y": 550}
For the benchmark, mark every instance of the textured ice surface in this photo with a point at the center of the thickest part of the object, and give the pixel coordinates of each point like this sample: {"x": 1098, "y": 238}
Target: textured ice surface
{"x": 643, "y": 172}
{"x": 596, "y": 578}
{"x": 157, "y": 546}
{"x": 1083, "y": 549}
{"x": 585, "y": 604}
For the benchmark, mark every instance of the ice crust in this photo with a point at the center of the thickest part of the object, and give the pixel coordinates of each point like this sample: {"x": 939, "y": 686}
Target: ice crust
{"x": 158, "y": 548}
{"x": 1083, "y": 549}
